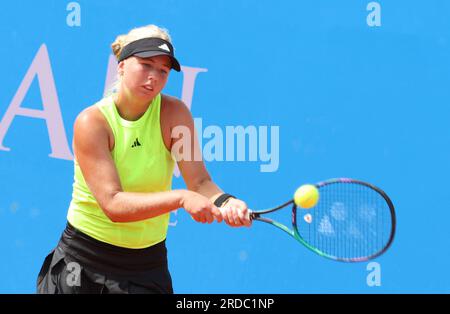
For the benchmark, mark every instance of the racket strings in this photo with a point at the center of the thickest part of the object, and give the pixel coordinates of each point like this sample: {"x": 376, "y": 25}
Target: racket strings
{"x": 351, "y": 222}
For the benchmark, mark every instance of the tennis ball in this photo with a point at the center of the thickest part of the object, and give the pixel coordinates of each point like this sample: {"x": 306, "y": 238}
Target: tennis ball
{"x": 306, "y": 196}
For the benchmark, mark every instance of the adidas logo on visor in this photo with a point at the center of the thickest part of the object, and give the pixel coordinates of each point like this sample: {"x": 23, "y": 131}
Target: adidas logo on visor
{"x": 164, "y": 47}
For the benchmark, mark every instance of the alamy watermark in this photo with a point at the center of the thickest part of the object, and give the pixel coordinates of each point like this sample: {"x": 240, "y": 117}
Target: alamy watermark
{"x": 74, "y": 17}
{"x": 374, "y": 17}
{"x": 373, "y": 279}
{"x": 233, "y": 143}
{"x": 74, "y": 273}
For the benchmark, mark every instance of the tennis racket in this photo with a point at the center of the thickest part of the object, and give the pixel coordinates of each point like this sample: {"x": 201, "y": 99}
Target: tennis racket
{"x": 353, "y": 221}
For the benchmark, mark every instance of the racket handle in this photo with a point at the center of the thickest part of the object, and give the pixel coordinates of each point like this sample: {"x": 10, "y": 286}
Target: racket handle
{"x": 250, "y": 214}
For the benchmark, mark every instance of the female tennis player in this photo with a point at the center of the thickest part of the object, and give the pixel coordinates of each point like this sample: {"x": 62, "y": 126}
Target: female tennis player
{"x": 118, "y": 218}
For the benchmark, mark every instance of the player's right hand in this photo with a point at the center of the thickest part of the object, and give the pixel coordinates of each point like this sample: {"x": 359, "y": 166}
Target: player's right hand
{"x": 201, "y": 208}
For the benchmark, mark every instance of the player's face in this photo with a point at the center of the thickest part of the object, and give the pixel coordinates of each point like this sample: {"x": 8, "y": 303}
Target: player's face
{"x": 145, "y": 77}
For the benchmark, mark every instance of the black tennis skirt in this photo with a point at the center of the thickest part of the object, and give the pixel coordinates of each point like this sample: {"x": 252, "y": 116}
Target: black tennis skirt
{"x": 82, "y": 264}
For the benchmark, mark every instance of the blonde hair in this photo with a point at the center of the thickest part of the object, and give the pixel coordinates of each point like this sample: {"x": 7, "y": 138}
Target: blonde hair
{"x": 133, "y": 35}
{"x": 139, "y": 33}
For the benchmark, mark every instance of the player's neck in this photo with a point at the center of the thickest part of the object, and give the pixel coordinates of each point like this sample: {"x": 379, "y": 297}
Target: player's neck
{"x": 130, "y": 109}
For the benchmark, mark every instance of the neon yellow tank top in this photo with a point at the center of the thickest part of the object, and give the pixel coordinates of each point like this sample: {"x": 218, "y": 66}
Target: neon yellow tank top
{"x": 144, "y": 165}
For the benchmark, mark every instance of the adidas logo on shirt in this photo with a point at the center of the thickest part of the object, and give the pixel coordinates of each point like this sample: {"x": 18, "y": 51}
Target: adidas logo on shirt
{"x": 136, "y": 143}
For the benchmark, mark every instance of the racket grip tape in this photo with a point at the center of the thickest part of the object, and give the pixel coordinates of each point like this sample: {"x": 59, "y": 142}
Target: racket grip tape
{"x": 250, "y": 214}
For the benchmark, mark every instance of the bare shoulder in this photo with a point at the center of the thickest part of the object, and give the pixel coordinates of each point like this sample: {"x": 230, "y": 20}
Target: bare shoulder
{"x": 173, "y": 109}
{"x": 174, "y": 112}
{"x": 91, "y": 115}
{"x": 91, "y": 124}
{"x": 172, "y": 104}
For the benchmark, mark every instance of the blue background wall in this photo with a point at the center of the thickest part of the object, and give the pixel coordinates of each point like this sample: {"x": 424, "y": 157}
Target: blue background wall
{"x": 350, "y": 100}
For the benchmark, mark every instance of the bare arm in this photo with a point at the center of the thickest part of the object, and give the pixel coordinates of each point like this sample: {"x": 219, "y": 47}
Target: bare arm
{"x": 91, "y": 148}
{"x": 194, "y": 171}
{"x": 188, "y": 154}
